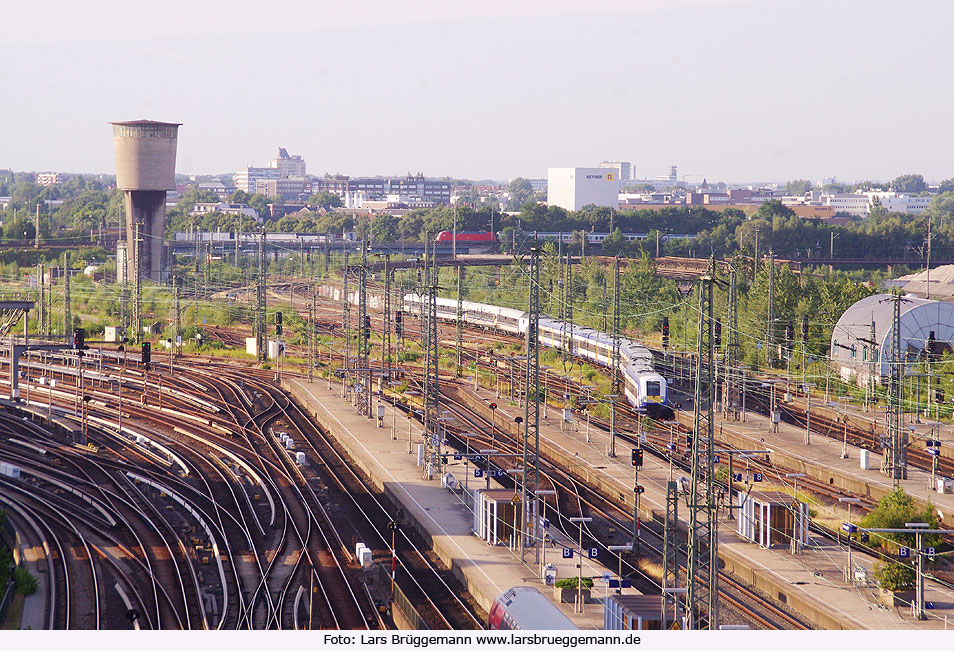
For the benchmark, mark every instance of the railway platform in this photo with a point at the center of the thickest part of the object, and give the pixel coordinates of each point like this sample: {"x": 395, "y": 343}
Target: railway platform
{"x": 440, "y": 514}
{"x": 811, "y": 582}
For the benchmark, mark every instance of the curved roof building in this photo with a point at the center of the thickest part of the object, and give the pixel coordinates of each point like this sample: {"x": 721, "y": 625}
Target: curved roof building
{"x": 861, "y": 342}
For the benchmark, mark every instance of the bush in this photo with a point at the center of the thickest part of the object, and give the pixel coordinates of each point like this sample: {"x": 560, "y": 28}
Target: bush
{"x": 24, "y": 581}
{"x": 894, "y": 576}
{"x": 572, "y": 583}
{"x": 893, "y": 511}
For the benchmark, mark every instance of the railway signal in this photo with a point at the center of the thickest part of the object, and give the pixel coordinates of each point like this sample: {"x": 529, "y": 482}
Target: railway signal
{"x": 367, "y": 327}
{"x": 804, "y": 329}
{"x": 147, "y": 354}
{"x": 718, "y": 333}
{"x": 278, "y": 323}
{"x": 638, "y": 457}
{"x": 931, "y": 347}
{"x": 79, "y": 339}
{"x": 665, "y": 332}
{"x": 789, "y": 333}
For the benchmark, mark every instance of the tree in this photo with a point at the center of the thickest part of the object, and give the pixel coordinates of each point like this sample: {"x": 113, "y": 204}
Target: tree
{"x": 520, "y": 191}
{"x": 909, "y": 183}
{"x": 239, "y": 196}
{"x": 892, "y": 575}
{"x": 947, "y": 185}
{"x": 893, "y": 511}
{"x": 798, "y": 186}
{"x": 325, "y": 200}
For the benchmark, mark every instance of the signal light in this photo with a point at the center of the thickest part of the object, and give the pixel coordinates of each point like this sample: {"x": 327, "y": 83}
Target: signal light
{"x": 278, "y": 323}
{"x": 931, "y": 347}
{"x": 79, "y": 339}
{"x": 789, "y": 332}
{"x": 637, "y": 457}
{"x": 665, "y": 332}
{"x": 939, "y": 395}
{"x": 147, "y": 354}
{"x": 718, "y": 333}
{"x": 804, "y": 328}
{"x": 398, "y": 316}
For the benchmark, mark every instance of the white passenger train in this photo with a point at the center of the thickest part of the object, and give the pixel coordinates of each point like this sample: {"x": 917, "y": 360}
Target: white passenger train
{"x": 643, "y": 387}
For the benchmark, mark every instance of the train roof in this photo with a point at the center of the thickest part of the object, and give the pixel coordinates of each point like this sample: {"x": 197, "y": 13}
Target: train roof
{"x": 533, "y": 611}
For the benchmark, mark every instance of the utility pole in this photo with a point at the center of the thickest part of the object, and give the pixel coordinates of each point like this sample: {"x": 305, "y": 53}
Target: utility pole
{"x": 755, "y": 267}
{"x": 894, "y": 461}
{"x": 569, "y": 307}
{"x": 261, "y": 336}
{"x": 702, "y": 598}
{"x": 137, "y": 299}
{"x": 531, "y": 410}
{"x": 460, "y": 325}
{"x": 67, "y": 303}
{"x": 238, "y": 238}
{"x": 41, "y": 326}
{"x": 36, "y": 242}
{"x": 614, "y": 360}
{"x": 770, "y": 326}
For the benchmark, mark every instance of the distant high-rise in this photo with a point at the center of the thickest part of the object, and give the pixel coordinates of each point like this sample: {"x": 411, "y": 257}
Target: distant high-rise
{"x": 145, "y": 169}
{"x": 624, "y": 169}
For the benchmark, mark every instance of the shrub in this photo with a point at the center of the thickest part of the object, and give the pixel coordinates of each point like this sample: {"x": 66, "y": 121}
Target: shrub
{"x": 894, "y": 576}
{"x": 24, "y": 581}
{"x": 572, "y": 582}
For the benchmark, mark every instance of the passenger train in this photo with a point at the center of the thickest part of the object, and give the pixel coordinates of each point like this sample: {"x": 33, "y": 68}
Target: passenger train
{"x": 643, "y": 387}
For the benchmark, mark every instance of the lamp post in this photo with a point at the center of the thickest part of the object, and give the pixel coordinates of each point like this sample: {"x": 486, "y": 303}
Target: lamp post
{"x": 612, "y": 398}
{"x": 774, "y": 416}
{"x": 848, "y": 527}
{"x": 619, "y": 570}
{"x": 807, "y": 387}
{"x": 579, "y": 581}
{"x": 844, "y": 417}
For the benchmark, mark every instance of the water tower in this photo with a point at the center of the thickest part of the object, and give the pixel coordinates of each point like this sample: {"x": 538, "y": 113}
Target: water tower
{"x": 145, "y": 169}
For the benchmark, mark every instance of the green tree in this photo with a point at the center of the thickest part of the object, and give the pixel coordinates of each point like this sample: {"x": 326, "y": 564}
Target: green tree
{"x": 893, "y": 511}
{"x": 520, "y": 191}
{"x": 909, "y": 183}
{"x": 798, "y": 186}
{"x": 894, "y": 576}
{"x": 325, "y": 200}
{"x": 947, "y": 185}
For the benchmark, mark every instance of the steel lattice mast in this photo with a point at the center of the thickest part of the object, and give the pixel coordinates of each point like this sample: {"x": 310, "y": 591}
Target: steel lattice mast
{"x": 346, "y": 323}
{"x": 702, "y": 602}
{"x": 364, "y": 339}
{"x": 460, "y": 325}
{"x": 894, "y": 460}
{"x": 261, "y": 340}
{"x": 386, "y": 342}
{"x": 432, "y": 433}
{"x": 731, "y": 403}
{"x": 531, "y": 413}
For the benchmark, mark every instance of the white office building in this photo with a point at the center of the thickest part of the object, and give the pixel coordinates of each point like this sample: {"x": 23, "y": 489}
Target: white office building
{"x": 624, "y": 170}
{"x": 247, "y": 178}
{"x": 903, "y": 203}
{"x": 572, "y": 188}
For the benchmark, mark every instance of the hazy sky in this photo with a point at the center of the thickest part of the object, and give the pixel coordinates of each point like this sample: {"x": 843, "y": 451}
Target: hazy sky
{"x": 728, "y": 89}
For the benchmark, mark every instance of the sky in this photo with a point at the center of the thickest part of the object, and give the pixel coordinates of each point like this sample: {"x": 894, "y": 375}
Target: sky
{"x": 731, "y": 90}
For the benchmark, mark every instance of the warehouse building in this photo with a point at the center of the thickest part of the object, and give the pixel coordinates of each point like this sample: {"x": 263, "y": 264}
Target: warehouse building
{"x": 861, "y": 342}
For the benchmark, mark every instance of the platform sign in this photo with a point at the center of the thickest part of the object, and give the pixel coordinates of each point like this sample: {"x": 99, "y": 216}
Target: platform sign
{"x": 457, "y": 457}
{"x": 904, "y": 552}
{"x": 606, "y": 577}
{"x": 670, "y": 446}
{"x": 478, "y": 472}
{"x": 567, "y": 552}
{"x": 478, "y": 458}
{"x": 643, "y": 438}
{"x": 931, "y": 553}
{"x": 848, "y": 528}
{"x": 933, "y": 452}
{"x": 929, "y": 605}
{"x": 737, "y": 476}
{"x": 593, "y": 552}
{"x": 544, "y": 523}
{"x": 756, "y": 476}
{"x": 715, "y": 458}
{"x": 626, "y": 583}
{"x": 614, "y": 583}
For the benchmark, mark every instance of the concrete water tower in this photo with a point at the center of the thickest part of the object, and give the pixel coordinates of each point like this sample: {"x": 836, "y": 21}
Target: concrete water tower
{"x": 145, "y": 169}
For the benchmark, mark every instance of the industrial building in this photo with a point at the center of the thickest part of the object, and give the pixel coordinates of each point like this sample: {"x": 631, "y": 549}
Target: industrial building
{"x": 861, "y": 342}
{"x": 572, "y": 188}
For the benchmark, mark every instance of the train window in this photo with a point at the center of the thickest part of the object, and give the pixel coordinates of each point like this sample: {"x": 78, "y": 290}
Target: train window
{"x": 652, "y": 388}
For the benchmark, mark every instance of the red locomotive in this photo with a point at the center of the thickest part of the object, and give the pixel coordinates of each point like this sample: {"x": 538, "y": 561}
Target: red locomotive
{"x": 466, "y": 236}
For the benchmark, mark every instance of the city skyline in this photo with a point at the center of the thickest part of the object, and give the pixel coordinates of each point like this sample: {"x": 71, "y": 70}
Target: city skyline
{"x": 735, "y": 91}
